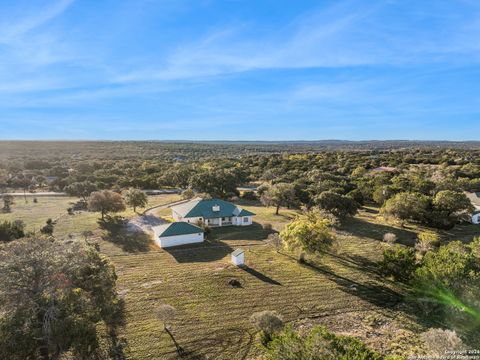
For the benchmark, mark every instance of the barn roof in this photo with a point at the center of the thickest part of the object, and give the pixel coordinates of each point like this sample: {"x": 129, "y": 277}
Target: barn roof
{"x": 176, "y": 228}
{"x": 205, "y": 208}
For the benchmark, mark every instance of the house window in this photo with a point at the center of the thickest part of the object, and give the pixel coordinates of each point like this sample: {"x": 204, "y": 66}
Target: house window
{"x": 245, "y": 219}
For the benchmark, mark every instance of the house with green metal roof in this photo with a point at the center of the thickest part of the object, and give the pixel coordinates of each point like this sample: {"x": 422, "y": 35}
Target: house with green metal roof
{"x": 212, "y": 212}
{"x": 177, "y": 233}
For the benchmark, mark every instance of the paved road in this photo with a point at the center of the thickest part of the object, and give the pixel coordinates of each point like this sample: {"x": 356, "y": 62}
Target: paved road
{"x": 44, "y": 193}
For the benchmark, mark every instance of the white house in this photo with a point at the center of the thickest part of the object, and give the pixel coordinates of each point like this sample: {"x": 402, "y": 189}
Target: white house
{"x": 475, "y": 200}
{"x": 212, "y": 212}
{"x": 177, "y": 233}
{"x": 238, "y": 257}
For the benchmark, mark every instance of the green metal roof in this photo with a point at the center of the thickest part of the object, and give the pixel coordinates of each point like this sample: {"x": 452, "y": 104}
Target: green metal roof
{"x": 177, "y": 228}
{"x": 244, "y": 212}
{"x": 205, "y": 208}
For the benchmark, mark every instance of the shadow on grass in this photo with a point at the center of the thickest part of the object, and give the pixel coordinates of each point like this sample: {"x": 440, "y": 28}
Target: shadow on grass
{"x": 374, "y": 293}
{"x": 235, "y": 342}
{"x": 259, "y": 275}
{"x": 204, "y": 252}
{"x": 117, "y": 233}
{"x": 357, "y": 262}
{"x": 117, "y": 344}
{"x": 359, "y": 227}
{"x": 250, "y": 232}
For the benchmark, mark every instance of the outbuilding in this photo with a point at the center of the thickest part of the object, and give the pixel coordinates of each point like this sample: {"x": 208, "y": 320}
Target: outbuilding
{"x": 177, "y": 233}
{"x": 238, "y": 257}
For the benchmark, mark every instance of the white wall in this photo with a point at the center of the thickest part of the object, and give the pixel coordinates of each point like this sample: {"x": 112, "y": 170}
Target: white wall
{"x": 238, "y": 260}
{"x": 176, "y": 240}
{"x": 241, "y": 221}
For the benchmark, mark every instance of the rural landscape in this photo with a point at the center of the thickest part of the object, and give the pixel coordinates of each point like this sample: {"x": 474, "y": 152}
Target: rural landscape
{"x": 353, "y": 253}
{"x": 239, "y": 180}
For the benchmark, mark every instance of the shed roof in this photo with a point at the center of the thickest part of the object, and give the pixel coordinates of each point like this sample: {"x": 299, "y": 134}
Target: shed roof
{"x": 204, "y": 208}
{"x": 176, "y": 228}
{"x": 238, "y": 252}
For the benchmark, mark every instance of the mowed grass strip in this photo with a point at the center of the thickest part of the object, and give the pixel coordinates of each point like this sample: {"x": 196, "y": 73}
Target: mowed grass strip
{"x": 213, "y": 317}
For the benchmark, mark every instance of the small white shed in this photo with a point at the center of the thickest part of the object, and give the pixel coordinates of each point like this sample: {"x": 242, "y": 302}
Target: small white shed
{"x": 177, "y": 233}
{"x": 476, "y": 218}
{"x": 238, "y": 257}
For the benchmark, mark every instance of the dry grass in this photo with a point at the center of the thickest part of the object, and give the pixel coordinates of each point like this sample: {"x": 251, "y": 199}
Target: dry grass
{"x": 213, "y": 317}
{"x": 55, "y": 207}
{"x": 340, "y": 289}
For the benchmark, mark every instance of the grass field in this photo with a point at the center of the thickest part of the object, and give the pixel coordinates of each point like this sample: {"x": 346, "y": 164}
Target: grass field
{"x": 34, "y": 215}
{"x": 340, "y": 289}
{"x": 213, "y": 317}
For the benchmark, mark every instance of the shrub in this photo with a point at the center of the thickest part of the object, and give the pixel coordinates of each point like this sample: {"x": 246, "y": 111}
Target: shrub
{"x": 249, "y": 195}
{"x": 48, "y": 228}
{"x": 12, "y": 230}
{"x": 268, "y": 322}
{"x": 267, "y": 227}
{"x": 399, "y": 262}
{"x": 390, "y": 238}
{"x": 188, "y": 194}
{"x": 439, "y": 341}
{"x": 318, "y": 344}
{"x": 426, "y": 241}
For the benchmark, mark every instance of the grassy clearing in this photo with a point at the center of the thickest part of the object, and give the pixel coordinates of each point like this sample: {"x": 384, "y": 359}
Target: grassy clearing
{"x": 34, "y": 215}
{"x": 213, "y": 318}
{"x": 340, "y": 289}
{"x": 55, "y": 207}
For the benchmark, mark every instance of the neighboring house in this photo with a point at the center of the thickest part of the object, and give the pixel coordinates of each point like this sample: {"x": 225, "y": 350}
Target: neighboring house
{"x": 475, "y": 200}
{"x": 212, "y": 212}
{"x": 177, "y": 233}
{"x": 476, "y": 218}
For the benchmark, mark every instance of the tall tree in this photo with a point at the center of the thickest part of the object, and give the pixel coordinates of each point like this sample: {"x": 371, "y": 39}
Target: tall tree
{"x": 81, "y": 189}
{"x": 135, "y": 198}
{"x": 310, "y": 233}
{"x": 407, "y": 206}
{"x": 52, "y": 298}
{"x": 105, "y": 201}
{"x": 278, "y": 195}
{"x": 336, "y": 204}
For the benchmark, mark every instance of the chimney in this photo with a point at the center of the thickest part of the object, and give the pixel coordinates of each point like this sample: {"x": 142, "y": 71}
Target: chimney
{"x": 216, "y": 208}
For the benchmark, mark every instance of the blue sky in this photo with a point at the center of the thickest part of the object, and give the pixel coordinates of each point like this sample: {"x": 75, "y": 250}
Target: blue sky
{"x": 240, "y": 69}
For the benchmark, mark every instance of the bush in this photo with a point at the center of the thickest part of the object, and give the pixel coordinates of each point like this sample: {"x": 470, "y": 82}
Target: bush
{"x": 268, "y": 322}
{"x": 426, "y": 241}
{"x": 249, "y": 195}
{"x": 188, "y": 194}
{"x": 390, "y": 238}
{"x": 439, "y": 341}
{"x": 48, "y": 228}
{"x": 399, "y": 262}
{"x": 12, "y": 230}
{"x": 267, "y": 226}
{"x": 318, "y": 344}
